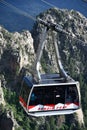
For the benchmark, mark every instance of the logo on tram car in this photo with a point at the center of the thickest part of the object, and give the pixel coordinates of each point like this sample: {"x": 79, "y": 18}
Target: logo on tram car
{"x": 58, "y": 106}
{"x": 48, "y": 107}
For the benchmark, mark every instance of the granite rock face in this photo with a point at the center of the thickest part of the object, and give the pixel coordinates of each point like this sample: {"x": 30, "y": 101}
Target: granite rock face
{"x": 17, "y": 55}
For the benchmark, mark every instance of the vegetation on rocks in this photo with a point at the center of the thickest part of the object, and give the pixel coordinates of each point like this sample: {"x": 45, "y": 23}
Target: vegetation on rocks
{"x": 17, "y": 56}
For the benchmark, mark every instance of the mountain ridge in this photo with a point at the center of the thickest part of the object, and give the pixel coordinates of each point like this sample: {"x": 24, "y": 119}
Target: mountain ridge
{"x": 17, "y": 54}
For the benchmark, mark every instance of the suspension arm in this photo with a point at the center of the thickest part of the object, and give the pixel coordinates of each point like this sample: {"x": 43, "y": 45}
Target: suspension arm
{"x": 36, "y": 73}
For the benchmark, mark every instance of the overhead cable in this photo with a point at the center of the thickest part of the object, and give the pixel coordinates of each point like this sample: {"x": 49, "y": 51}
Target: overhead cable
{"x": 48, "y": 3}
{"x": 21, "y": 12}
{"x": 17, "y": 10}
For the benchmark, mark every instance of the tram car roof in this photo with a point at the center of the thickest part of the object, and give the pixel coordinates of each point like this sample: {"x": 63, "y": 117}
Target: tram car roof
{"x": 47, "y": 79}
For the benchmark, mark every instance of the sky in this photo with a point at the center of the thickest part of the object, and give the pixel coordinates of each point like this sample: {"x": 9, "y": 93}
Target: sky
{"x": 16, "y": 15}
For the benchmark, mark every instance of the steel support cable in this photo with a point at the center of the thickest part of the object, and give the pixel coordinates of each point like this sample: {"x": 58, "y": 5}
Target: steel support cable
{"x": 17, "y": 10}
{"x": 49, "y": 4}
{"x": 62, "y": 30}
{"x": 52, "y": 5}
{"x": 59, "y": 28}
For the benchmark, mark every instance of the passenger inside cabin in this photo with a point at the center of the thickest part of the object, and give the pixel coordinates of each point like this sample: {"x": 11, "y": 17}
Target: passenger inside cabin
{"x": 72, "y": 95}
{"x": 60, "y": 95}
{"x": 33, "y": 97}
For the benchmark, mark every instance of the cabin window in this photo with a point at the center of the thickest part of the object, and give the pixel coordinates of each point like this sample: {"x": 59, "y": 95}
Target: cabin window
{"x": 46, "y": 95}
{"x": 25, "y": 91}
{"x": 52, "y": 95}
{"x": 72, "y": 94}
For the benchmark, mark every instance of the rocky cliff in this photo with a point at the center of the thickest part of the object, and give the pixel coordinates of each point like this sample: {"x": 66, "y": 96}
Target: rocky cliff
{"x": 16, "y": 53}
{"x": 17, "y": 56}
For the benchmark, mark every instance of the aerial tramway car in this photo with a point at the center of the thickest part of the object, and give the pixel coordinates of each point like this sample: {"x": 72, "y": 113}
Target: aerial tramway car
{"x": 49, "y": 97}
{"x": 51, "y": 94}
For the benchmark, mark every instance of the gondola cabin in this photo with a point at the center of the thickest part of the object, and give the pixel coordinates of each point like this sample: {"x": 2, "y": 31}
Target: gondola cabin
{"x": 49, "y": 97}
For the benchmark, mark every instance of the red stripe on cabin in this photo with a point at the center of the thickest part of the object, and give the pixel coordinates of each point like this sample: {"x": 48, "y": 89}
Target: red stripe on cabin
{"x": 23, "y": 102}
{"x": 45, "y": 107}
{"x": 30, "y": 107}
{"x": 76, "y": 103}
